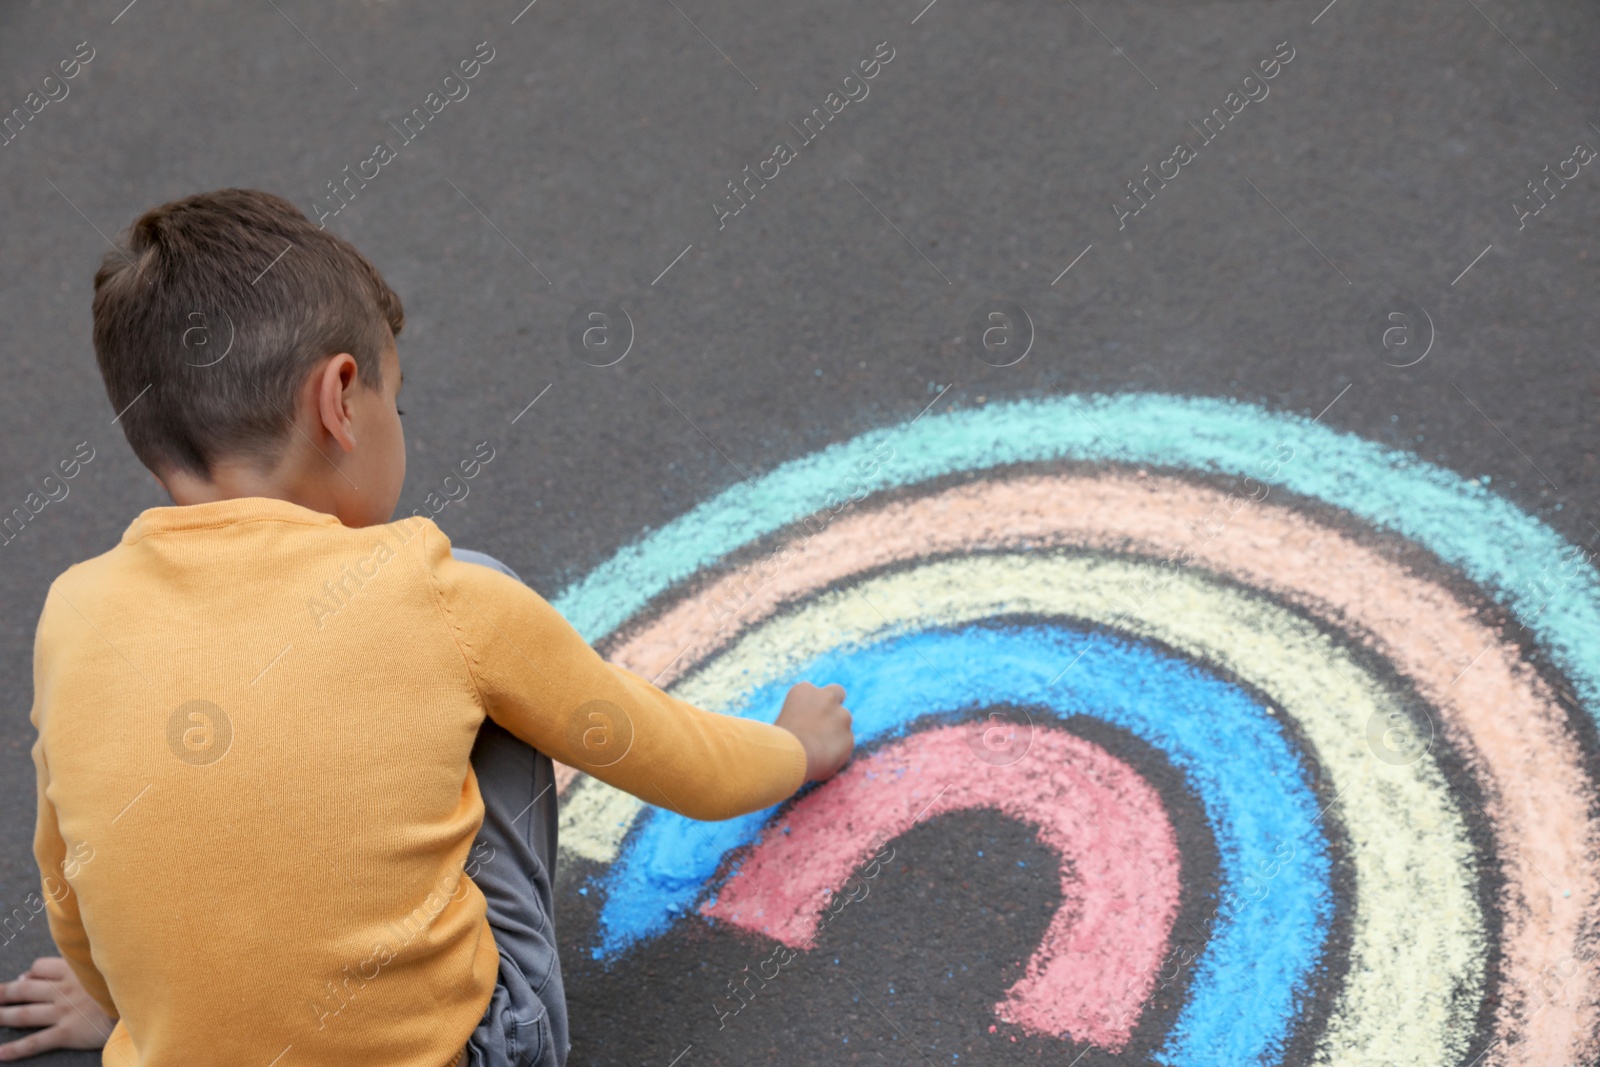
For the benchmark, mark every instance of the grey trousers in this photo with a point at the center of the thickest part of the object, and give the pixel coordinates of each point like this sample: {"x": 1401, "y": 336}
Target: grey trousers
{"x": 525, "y": 1024}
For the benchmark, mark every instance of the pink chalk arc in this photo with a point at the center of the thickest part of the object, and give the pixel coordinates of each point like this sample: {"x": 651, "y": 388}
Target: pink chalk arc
{"x": 1099, "y": 957}
{"x": 1503, "y": 722}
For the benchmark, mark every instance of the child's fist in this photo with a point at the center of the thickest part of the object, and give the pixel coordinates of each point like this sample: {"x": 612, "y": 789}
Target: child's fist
{"x": 820, "y": 720}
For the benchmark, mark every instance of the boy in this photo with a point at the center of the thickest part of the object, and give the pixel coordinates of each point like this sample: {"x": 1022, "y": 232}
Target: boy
{"x": 295, "y": 786}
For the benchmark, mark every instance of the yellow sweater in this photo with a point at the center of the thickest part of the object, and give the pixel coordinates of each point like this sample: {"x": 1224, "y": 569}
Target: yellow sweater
{"x": 255, "y": 800}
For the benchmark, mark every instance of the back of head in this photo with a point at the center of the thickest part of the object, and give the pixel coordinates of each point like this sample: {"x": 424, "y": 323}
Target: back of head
{"x": 211, "y": 314}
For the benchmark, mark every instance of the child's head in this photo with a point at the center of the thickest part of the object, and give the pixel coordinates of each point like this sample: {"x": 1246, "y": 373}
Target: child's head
{"x": 251, "y": 354}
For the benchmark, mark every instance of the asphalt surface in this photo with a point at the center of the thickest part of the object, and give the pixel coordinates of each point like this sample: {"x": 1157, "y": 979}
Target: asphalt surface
{"x": 1379, "y": 173}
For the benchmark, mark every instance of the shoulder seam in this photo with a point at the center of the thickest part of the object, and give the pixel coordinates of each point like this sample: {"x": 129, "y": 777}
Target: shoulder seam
{"x": 451, "y": 627}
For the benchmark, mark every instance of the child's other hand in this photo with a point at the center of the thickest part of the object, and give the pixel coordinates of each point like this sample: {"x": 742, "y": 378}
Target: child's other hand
{"x": 49, "y": 995}
{"x": 820, "y": 720}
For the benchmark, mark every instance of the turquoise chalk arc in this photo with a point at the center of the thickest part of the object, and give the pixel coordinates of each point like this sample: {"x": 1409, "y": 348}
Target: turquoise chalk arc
{"x": 1508, "y": 552}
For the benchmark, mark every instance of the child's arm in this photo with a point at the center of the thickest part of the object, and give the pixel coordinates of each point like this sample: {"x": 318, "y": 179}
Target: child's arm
{"x": 539, "y": 679}
{"x": 59, "y": 863}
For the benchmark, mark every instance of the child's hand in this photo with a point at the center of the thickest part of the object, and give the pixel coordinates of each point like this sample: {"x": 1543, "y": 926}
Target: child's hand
{"x": 49, "y": 995}
{"x": 820, "y": 720}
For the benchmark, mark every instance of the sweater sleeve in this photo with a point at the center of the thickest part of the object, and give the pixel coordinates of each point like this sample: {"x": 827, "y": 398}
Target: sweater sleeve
{"x": 538, "y": 677}
{"x": 57, "y": 863}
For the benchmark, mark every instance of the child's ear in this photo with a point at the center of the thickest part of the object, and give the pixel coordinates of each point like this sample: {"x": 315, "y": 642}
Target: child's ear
{"x": 334, "y": 384}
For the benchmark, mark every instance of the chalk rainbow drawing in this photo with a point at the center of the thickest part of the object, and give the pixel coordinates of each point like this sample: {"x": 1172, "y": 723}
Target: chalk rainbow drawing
{"x": 1076, "y": 559}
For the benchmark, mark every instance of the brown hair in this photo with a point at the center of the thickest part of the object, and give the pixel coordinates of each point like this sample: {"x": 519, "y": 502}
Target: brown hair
{"x": 211, "y": 314}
